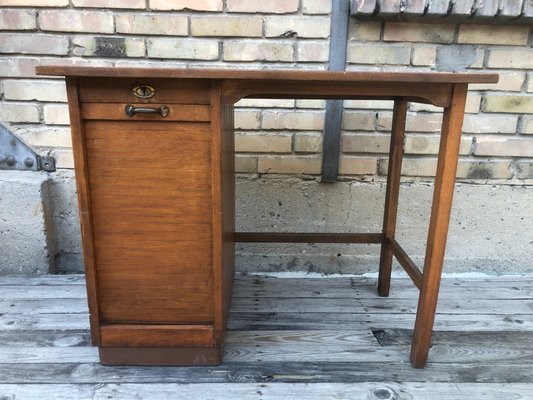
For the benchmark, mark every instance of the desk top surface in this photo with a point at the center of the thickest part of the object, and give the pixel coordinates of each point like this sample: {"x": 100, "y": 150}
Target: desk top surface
{"x": 268, "y": 74}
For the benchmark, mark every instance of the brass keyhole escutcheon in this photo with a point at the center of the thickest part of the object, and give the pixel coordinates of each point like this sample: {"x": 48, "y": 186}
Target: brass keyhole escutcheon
{"x": 143, "y": 91}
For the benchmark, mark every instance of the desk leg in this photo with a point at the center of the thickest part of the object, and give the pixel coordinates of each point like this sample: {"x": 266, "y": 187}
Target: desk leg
{"x": 391, "y": 197}
{"x": 452, "y": 123}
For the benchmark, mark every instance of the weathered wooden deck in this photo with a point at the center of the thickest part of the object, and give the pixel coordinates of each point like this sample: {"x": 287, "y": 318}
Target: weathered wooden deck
{"x": 290, "y": 338}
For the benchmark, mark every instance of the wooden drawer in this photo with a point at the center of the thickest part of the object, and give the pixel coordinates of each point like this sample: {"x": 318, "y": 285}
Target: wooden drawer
{"x": 117, "y": 111}
{"x": 121, "y": 90}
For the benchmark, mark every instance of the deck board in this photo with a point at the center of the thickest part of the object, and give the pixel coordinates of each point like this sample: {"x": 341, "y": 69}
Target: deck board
{"x": 288, "y": 338}
{"x": 278, "y": 391}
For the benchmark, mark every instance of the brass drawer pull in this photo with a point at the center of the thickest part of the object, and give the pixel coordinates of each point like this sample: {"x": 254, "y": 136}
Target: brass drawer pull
{"x": 131, "y": 110}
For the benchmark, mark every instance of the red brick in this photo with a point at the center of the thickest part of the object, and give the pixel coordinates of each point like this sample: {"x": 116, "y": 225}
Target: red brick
{"x": 76, "y": 21}
{"x": 245, "y": 164}
{"x": 152, "y": 24}
{"x": 18, "y": 67}
{"x": 25, "y": 43}
{"x": 41, "y": 90}
{"x": 468, "y": 169}
{"x": 228, "y": 26}
{"x": 483, "y": 123}
{"x": 46, "y": 136}
{"x": 509, "y": 82}
{"x": 19, "y": 112}
{"x": 196, "y": 5}
{"x": 365, "y": 31}
{"x": 138, "y": 4}
{"x": 519, "y": 58}
{"x": 308, "y": 142}
{"x": 316, "y": 6}
{"x": 64, "y": 158}
{"x": 253, "y": 143}
{"x": 313, "y": 51}
{"x": 183, "y": 48}
{"x": 305, "y": 27}
{"x": 289, "y": 165}
{"x": 262, "y": 6}
{"x": 357, "y": 143}
{"x": 503, "y": 146}
{"x": 507, "y": 103}
{"x": 357, "y": 166}
{"x": 359, "y": 121}
{"x": 293, "y": 120}
{"x": 19, "y": 20}
{"x": 56, "y": 114}
{"x": 394, "y": 54}
{"x": 34, "y": 3}
{"x": 415, "y": 32}
{"x": 490, "y": 34}
{"x": 258, "y": 50}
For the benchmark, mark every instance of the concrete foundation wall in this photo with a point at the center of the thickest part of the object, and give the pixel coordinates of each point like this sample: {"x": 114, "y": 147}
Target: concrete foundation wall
{"x": 491, "y": 228}
{"x": 68, "y": 257}
{"x": 26, "y": 228}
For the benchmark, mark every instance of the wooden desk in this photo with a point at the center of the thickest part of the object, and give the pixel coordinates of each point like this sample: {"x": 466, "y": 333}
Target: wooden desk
{"x": 154, "y": 159}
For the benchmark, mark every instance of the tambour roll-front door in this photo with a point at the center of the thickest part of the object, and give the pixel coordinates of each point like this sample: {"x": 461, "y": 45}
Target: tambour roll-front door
{"x": 150, "y": 189}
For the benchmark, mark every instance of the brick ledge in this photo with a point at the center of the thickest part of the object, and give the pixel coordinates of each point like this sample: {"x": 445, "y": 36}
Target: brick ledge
{"x": 464, "y": 11}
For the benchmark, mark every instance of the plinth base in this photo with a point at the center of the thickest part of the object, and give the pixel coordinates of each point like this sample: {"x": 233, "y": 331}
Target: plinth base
{"x": 160, "y": 355}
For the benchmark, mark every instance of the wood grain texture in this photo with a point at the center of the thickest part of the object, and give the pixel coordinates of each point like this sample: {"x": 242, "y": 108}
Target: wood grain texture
{"x": 407, "y": 263}
{"x": 452, "y": 123}
{"x": 478, "y": 349}
{"x": 375, "y": 305}
{"x": 84, "y": 204}
{"x": 294, "y": 237}
{"x": 392, "y": 195}
{"x": 217, "y": 210}
{"x": 42, "y": 280}
{"x": 228, "y": 208}
{"x": 433, "y": 87}
{"x": 113, "y": 90}
{"x": 223, "y": 207}
{"x": 265, "y": 372}
{"x": 438, "y": 94}
{"x": 157, "y": 335}
{"x": 364, "y": 287}
{"x": 38, "y": 306}
{"x": 279, "y": 391}
{"x": 267, "y": 74}
{"x": 158, "y": 356}
{"x": 152, "y": 240}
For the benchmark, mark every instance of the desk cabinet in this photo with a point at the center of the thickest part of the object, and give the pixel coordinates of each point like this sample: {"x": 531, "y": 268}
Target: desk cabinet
{"x": 150, "y": 201}
{"x": 154, "y": 159}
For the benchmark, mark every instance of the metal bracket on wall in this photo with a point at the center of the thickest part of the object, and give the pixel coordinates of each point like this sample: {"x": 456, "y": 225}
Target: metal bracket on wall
{"x": 340, "y": 15}
{"x": 17, "y": 155}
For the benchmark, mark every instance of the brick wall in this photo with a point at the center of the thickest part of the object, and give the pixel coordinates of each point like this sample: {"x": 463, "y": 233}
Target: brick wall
{"x": 278, "y": 136}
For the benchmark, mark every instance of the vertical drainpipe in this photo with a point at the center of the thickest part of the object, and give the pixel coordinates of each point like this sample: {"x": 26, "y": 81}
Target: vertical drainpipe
{"x": 340, "y": 14}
